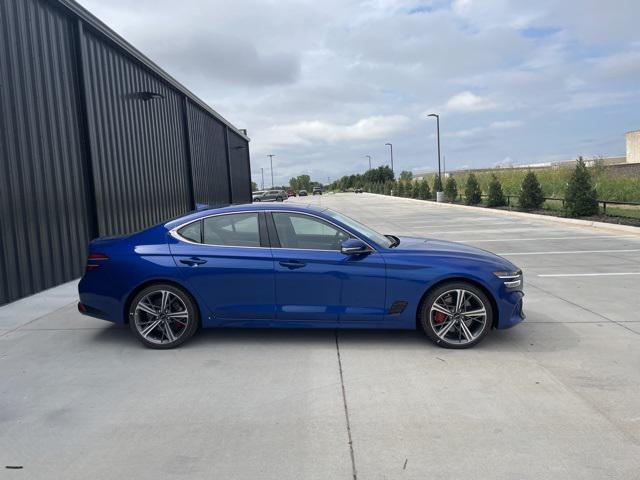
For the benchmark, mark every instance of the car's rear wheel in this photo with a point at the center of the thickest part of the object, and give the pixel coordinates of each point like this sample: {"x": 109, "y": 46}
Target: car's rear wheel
{"x": 456, "y": 315}
{"x": 163, "y": 316}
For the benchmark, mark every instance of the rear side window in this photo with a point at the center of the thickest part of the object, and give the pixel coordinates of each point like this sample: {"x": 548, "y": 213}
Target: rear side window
{"x": 238, "y": 230}
{"x": 192, "y": 232}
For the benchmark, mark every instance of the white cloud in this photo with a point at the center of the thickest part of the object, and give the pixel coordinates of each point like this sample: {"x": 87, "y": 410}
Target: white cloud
{"x": 505, "y": 124}
{"x": 309, "y": 131}
{"x": 466, "y": 102}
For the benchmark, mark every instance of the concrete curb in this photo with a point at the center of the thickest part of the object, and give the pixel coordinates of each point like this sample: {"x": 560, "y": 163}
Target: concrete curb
{"x": 533, "y": 216}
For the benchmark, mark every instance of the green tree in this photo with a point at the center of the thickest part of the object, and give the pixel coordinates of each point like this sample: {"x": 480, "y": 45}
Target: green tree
{"x": 531, "y": 197}
{"x": 425, "y": 191}
{"x": 400, "y": 192}
{"x": 416, "y": 189}
{"x": 301, "y": 182}
{"x": 254, "y": 186}
{"x": 437, "y": 186}
{"x": 472, "y": 192}
{"x": 581, "y": 197}
{"x": 406, "y": 176}
{"x": 496, "y": 197}
{"x": 451, "y": 189}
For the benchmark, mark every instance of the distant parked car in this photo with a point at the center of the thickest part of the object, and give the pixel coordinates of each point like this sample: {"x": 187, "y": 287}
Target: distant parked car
{"x": 358, "y": 190}
{"x": 257, "y": 194}
{"x": 291, "y": 193}
{"x": 302, "y": 193}
{"x": 271, "y": 196}
{"x": 317, "y": 190}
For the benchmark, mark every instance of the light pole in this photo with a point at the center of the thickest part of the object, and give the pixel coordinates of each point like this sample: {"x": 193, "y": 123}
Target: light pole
{"x": 438, "y": 134}
{"x": 262, "y": 174}
{"x": 391, "y": 153}
{"x": 369, "y": 157}
{"x": 271, "y": 160}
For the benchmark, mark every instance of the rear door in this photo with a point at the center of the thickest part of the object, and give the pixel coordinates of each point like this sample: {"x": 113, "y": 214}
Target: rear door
{"x": 226, "y": 259}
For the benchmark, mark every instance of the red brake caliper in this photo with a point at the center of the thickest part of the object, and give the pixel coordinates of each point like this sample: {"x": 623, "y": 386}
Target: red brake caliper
{"x": 440, "y": 317}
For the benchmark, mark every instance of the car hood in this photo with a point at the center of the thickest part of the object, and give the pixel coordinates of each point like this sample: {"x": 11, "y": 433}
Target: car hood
{"x": 443, "y": 248}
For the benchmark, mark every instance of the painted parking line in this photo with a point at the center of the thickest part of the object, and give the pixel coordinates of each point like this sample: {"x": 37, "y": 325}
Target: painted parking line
{"x": 569, "y": 252}
{"x": 607, "y": 274}
{"x": 483, "y": 230}
{"x": 583, "y": 237}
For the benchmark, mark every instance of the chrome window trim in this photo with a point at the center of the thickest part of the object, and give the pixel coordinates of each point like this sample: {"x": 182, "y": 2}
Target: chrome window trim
{"x": 174, "y": 231}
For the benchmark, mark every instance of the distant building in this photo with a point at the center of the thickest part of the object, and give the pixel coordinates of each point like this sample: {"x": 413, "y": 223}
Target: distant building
{"x": 633, "y": 146}
{"x": 632, "y": 156}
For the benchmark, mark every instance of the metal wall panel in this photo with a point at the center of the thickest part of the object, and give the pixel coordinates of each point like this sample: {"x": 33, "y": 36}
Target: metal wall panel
{"x": 43, "y": 201}
{"x": 95, "y": 139}
{"x": 138, "y": 142}
{"x": 208, "y": 158}
{"x": 239, "y": 168}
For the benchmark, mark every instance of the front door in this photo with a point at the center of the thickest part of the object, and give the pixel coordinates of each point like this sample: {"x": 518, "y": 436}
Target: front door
{"x": 314, "y": 281}
{"x": 229, "y": 265}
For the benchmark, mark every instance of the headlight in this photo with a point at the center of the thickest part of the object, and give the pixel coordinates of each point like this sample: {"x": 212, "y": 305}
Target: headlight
{"x": 511, "y": 279}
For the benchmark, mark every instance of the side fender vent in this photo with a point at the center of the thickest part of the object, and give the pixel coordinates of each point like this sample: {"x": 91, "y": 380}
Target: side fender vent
{"x": 397, "y": 307}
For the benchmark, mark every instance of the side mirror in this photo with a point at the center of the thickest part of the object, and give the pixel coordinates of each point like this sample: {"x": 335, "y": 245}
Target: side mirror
{"x": 353, "y": 246}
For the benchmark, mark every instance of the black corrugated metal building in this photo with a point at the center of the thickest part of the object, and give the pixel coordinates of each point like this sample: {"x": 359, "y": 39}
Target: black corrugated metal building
{"x": 95, "y": 140}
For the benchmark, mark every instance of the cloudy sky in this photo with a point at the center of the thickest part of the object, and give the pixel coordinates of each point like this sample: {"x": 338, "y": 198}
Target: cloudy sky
{"x": 321, "y": 84}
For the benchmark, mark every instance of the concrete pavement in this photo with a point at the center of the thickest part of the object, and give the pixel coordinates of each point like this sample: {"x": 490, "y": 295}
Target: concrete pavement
{"x": 555, "y": 397}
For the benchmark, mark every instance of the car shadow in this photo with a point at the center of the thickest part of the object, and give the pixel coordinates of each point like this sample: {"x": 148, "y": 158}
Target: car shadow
{"x": 526, "y": 337}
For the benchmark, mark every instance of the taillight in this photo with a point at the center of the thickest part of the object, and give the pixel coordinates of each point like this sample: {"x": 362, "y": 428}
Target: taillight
{"x": 94, "y": 260}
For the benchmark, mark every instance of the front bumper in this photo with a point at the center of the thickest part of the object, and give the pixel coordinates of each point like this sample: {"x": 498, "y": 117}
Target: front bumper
{"x": 511, "y": 310}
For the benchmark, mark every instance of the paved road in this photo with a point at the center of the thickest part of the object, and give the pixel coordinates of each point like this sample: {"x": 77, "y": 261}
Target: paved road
{"x": 555, "y": 397}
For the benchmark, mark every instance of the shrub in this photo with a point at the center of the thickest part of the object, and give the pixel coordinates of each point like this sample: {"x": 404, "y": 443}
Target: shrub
{"x": 472, "y": 192}
{"x": 581, "y": 199}
{"x": 400, "y": 192}
{"x": 416, "y": 190}
{"x": 496, "y": 196}
{"x": 531, "y": 197}
{"x": 451, "y": 190}
{"x": 425, "y": 191}
{"x": 437, "y": 186}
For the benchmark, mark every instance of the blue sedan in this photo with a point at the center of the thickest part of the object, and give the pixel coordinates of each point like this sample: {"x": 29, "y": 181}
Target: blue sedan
{"x": 294, "y": 267}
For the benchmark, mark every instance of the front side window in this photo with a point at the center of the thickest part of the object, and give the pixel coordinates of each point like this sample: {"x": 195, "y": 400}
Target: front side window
{"x": 238, "y": 230}
{"x": 306, "y": 232}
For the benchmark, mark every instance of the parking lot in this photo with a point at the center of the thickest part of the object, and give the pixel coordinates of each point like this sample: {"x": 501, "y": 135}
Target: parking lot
{"x": 558, "y": 396}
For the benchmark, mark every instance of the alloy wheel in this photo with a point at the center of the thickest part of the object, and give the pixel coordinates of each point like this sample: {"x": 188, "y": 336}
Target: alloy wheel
{"x": 458, "y": 317}
{"x": 161, "y": 317}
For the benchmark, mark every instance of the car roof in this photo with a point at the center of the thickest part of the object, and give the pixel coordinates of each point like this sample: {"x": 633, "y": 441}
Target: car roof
{"x": 247, "y": 207}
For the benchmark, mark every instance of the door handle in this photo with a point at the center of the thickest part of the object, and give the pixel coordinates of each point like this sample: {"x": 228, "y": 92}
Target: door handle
{"x": 292, "y": 264}
{"x": 193, "y": 261}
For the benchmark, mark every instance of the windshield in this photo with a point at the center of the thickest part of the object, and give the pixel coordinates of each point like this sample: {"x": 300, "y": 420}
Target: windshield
{"x": 379, "y": 238}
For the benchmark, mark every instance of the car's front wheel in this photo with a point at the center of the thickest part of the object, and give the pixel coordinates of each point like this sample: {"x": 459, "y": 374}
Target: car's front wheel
{"x": 163, "y": 316}
{"x": 456, "y": 315}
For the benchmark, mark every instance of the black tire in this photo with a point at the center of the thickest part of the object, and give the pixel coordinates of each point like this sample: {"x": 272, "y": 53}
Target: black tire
{"x": 181, "y": 327}
{"x": 256, "y": 199}
{"x": 473, "y": 325}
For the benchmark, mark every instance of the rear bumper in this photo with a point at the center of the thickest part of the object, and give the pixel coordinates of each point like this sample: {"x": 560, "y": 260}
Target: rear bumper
{"x": 92, "y": 312}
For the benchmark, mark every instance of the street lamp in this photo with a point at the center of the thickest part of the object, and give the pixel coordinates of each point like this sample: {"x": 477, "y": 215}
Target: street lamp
{"x": 438, "y": 133}
{"x": 369, "y": 157}
{"x": 262, "y": 174}
{"x": 271, "y": 160}
{"x": 391, "y": 152}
